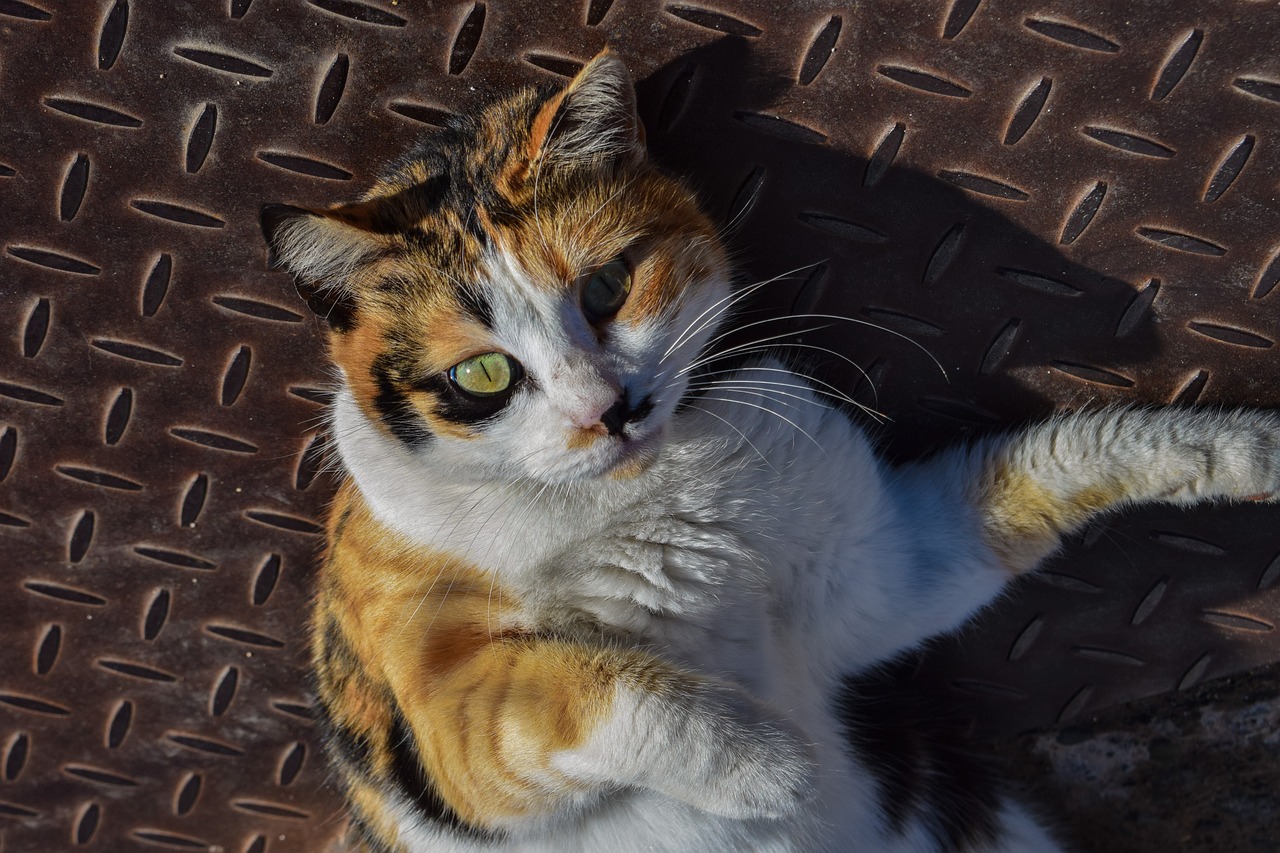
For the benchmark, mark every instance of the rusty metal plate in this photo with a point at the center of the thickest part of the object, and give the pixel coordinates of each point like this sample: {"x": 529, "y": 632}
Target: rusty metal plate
{"x": 1063, "y": 204}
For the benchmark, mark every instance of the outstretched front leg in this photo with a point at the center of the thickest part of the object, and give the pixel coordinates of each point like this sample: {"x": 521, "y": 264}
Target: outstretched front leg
{"x": 1032, "y": 489}
{"x": 971, "y": 518}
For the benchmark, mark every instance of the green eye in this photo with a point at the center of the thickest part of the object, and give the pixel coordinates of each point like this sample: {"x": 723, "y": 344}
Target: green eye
{"x": 484, "y": 375}
{"x": 606, "y": 290}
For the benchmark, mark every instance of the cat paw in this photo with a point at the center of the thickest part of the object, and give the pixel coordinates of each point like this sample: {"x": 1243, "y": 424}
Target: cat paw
{"x": 739, "y": 760}
{"x": 772, "y": 779}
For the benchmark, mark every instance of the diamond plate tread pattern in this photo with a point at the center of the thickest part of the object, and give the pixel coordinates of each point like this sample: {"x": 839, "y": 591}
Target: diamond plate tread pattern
{"x": 1019, "y": 207}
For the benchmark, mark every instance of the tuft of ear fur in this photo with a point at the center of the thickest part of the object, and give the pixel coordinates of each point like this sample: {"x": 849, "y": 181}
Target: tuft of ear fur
{"x": 322, "y": 249}
{"x": 593, "y": 120}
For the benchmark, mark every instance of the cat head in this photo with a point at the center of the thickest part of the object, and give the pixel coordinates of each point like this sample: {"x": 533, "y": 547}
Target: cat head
{"x": 520, "y": 296}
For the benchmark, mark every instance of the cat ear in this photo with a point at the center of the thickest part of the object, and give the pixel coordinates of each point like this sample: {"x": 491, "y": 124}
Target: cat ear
{"x": 322, "y": 248}
{"x": 593, "y": 120}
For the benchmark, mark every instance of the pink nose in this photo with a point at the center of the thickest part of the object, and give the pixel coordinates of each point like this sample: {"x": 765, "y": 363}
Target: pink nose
{"x": 596, "y": 416}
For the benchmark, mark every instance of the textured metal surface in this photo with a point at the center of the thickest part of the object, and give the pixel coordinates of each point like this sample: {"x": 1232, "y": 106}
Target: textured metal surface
{"x": 1064, "y": 204}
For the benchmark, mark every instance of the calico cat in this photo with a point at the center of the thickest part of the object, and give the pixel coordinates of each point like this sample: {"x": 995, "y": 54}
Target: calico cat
{"x": 567, "y": 603}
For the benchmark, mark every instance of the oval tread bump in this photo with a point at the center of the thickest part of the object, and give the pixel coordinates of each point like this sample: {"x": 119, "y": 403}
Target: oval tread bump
{"x": 177, "y": 213}
{"x": 74, "y": 185}
{"x": 364, "y": 13}
{"x": 140, "y": 671}
{"x": 1230, "y": 335}
{"x": 69, "y": 594}
{"x": 119, "y": 725}
{"x": 171, "y": 840}
{"x": 1180, "y": 241}
{"x": 1229, "y": 169}
{"x": 118, "y": 416}
{"x": 1177, "y": 65}
{"x": 256, "y": 309}
{"x": 421, "y": 113}
{"x": 846, "y": 229}
{"x": 1026, "y": 637}
{"x": 224, "y": 691}
{"x": 467, "y": 39}
{"x": 820, "y": 51}
{"x": 213, "y": 440}
{"x": 1040, "y": 283}
{"x": 301, "y": 165}
{"x": 36, "y": 328}
{"x": 156, "y": 615}
{"x": 24, "y": 11}
{"x": 1264, "y": 89}
{"x": 1268, "y": 278}
{"x": 958, "y": 17}
{"x": 1082, "y": 214}
{"x": 205, "y": 745}
{"x": 244, "y": 636}
{"x": 1138, "y": 308}
{"x": 678, "y": 95}
{"x": 332, "y": 88}
{"x": 94, "y": 113}
{"x": 97, "y": 477}
{"x": 597, "y": 10}
{"x": 25, "y": 394}
{"x": 1195, "y": 673}
{"x": 944, "y": 253}
{"x": 291, "y": 764}
{"x": 200, "y": 138}
{"x": 15, "y": 756}
{"x": 1075, "y": 705}
{"x": 47, "y": 650}
{"x": 310, "y": 462}
{"x": 239, "y": 8}
{"x": 111, "y": 39}
{"x": 235, "y": 376}
{"x": 744, "y": 198}
{"x": 1191, "y": 389}
{"x": 81, "y": 537}
{"x": 1000, "y": 347}
{"x": 780, "y": 127}
{"x": 924, "y": 81}
{"x": 87, "y": 823}
{"x": 710, "y": 19}
{"x": 265, "y": 582}
{"x": 1150, "y": 601}
{"x": 223, "y": 62}
{"x": 984, "y": 185}
{"x": 187, "y": 793}
{"x": 1270, "y": 574}
{"x": 178, "y": 559}
{"x": 156, "y": 286}
{"x": 136, "y": 352}
{"x": 1028, "y": 110}
{"x": 886, "y": 152}
{"x": 1096, "y": 375}
{"x": 8, "y": 451}
{"x": 1072, "y": 35}
{"x": 1130, "y": 143}
{"x": 193, "y": 500}
{"x": 53, "y": 260}
{"x": 558, "y": 65}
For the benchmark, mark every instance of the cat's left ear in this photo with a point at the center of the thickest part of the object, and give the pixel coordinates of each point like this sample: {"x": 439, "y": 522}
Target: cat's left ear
{"x": 323, "y": 248}
{"x": 593, "y": 120}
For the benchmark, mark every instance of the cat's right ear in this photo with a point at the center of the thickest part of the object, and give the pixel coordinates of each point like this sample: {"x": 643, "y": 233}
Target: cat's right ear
{"x": 322, "y": 248}
{"x": 592, "y": 120}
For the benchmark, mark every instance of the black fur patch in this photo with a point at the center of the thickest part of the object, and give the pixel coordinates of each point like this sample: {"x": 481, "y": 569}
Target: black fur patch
{"x": 918, "y": 756}
{"x": 413, "y": 781}
{"x": 394, "y": 407}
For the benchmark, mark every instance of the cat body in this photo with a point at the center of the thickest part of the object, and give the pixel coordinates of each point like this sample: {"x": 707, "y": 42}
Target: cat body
{"x": 568, "y": 606}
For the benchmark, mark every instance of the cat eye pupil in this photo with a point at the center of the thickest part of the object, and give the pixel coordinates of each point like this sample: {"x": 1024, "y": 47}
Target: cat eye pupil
{"x": 606, "y": 290}
{"x": 484, "y": 375}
